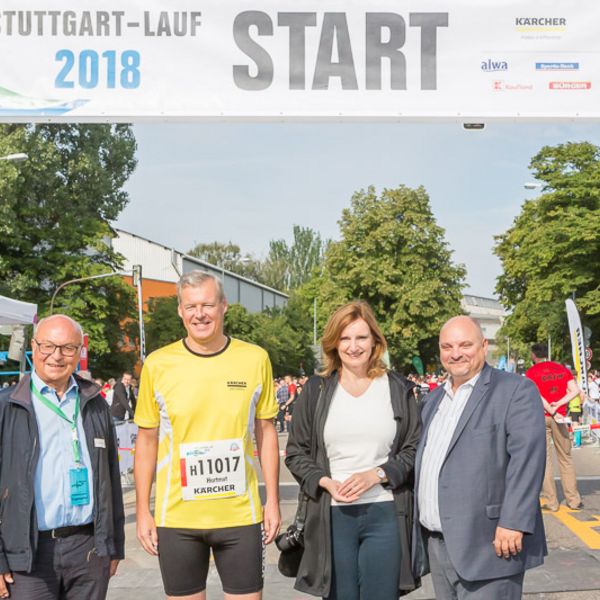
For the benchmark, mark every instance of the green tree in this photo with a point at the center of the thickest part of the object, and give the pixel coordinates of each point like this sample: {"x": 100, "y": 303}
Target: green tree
{"x": 287, "y": 267}
{"x": 162, "y": 323}
{"x": 228, "y": 256}
{"x": 552, "y": 250}
{"x": 55, "y": 215}
{"x": 393, "y": 255}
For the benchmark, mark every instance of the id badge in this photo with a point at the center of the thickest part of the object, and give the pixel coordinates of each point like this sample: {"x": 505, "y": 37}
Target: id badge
{"x": 80, "y": 487}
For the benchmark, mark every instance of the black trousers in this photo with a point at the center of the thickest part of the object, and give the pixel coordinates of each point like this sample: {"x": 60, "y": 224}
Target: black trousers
{"x": 64, "y": 569}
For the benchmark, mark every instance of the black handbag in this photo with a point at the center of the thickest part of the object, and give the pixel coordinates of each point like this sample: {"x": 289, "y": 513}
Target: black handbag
{"x": 291, "y": 542}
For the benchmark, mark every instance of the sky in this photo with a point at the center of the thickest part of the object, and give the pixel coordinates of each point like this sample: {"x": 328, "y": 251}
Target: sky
{"x": 251, "y": 182}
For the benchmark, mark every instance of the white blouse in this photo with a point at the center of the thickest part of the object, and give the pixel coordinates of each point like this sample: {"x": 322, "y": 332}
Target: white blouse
{"x": 359, "y": 433}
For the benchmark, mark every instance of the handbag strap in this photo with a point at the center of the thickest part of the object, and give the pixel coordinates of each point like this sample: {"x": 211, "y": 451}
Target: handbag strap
{"x": 302, "y": 497}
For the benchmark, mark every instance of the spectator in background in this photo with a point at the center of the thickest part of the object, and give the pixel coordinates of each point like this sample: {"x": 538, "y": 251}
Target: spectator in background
{"x": 122, "y": 407}
{"x": 593, "y": 388}
{"x": 557, "y": 388}
{"x": 109, "y": 390}
{"x": 100, "y": 383}
{"x": 283, "y": 395}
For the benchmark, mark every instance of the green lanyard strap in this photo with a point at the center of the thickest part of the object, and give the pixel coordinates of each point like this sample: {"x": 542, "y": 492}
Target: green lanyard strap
{"x": 61, "y": 414}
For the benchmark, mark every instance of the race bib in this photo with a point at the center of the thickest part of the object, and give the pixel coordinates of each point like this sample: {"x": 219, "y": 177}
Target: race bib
{"x": 212, "y": 469}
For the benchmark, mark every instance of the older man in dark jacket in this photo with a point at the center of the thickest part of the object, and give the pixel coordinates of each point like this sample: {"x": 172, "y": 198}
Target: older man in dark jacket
{"x": 61, "y": 505}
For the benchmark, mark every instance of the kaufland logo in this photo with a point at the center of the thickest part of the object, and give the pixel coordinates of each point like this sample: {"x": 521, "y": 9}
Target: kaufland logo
{"x": 492, "y": 66}
{"x": 570, "y": 85}
{"x": 557, "y": 66}
{"x": 506, "y": 86}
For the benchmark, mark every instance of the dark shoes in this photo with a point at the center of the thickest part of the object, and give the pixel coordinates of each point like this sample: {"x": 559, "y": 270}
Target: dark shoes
{"x": 578, "y": 507}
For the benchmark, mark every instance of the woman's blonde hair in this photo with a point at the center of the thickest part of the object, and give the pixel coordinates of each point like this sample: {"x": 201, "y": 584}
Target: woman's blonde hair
{"x": 337, "y": 322}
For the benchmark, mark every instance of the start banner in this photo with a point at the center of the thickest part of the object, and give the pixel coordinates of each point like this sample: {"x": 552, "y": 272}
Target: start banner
{"x": 134, "y": 60}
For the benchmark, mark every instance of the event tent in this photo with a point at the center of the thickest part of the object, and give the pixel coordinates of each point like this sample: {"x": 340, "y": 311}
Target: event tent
{"x": 15, "y": 312}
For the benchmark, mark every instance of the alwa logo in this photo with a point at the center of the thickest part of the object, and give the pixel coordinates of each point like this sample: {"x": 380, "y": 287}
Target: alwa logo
{"x": 491, "y": 66}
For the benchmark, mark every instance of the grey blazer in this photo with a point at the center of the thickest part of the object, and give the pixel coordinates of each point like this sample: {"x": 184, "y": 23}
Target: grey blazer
{"x": 492, "y": 476}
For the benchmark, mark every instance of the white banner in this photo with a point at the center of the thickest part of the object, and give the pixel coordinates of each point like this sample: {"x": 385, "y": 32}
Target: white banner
{"x": 577, "y": 345}
{"x": 292, "y": 59}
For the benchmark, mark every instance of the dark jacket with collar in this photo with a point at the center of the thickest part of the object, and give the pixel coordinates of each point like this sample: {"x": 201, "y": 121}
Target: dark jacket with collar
{"x": 19, "y": 453}
{"x": 308, "y": 464}
{"x": 491, "y": 476}
{"x": 122, "y": 403}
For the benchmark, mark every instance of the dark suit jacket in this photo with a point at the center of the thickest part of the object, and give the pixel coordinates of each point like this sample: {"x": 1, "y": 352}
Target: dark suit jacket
{"x": 492, "y": 476}
{"x": 121, "y": 403}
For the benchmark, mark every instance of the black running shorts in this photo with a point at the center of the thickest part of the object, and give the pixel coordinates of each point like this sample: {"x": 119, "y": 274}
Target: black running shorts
{"x": 184, "y": 555}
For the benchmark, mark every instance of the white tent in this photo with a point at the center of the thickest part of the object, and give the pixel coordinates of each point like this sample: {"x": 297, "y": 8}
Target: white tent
{"x": 15, "y": 312}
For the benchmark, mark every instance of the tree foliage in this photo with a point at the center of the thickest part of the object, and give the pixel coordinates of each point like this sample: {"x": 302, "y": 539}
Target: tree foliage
{"x": 393, "y": 255}
{"x": 228, "y": 256}
{"x": 287, "y": 267}
{"x": 552, "y": 250}
{"x": 55, "y": 214}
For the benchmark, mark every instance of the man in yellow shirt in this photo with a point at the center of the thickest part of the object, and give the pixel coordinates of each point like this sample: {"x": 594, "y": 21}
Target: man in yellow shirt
{"x": 201, "y": 400}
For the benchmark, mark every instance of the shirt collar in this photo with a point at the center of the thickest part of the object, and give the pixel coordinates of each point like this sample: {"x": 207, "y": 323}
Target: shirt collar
{"x": 44, "y": 388}
{"x": 471, "y": 383}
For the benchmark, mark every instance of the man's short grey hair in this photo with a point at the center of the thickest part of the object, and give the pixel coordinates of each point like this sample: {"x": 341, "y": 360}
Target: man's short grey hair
{"x": 196, "y": 278}
{"x": 73, "y": 322}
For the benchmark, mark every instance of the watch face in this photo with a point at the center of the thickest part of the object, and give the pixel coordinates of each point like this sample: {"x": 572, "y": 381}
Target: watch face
{"x": 380, "y": 473}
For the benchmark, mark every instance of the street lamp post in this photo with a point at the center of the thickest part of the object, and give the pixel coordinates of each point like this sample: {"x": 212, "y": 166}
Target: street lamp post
{"x": 136, "y": 274}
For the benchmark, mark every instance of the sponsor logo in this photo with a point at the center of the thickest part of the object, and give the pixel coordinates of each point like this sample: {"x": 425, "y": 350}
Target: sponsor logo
{"x": 491, "y": 66}
{"x": 506, "y": 86}
{"x": 536, "y": 28}
{"x": 237, "y": 385}
{"x": 557, "y": 66}
{"x": 540, "y": 22}
{"x": 570, "y": 85}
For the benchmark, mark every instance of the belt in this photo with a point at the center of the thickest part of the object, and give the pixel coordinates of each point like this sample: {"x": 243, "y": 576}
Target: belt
{"x": 62, "y": 532}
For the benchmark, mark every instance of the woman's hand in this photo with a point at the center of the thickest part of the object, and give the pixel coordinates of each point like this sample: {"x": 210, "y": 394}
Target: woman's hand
{"x": 357, "y": 484}
{"x": 332, "y": 486}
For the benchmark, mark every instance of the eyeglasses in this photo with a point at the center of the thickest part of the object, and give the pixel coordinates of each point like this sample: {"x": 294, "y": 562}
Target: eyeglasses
{"x": 47, "y": 348}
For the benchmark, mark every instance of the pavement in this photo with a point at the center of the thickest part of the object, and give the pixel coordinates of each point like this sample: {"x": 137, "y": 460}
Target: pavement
{"x": 571, "y": 570}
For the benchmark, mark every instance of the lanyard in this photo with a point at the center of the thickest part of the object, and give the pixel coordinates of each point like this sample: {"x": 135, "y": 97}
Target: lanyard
{"x": 56, "y": 409}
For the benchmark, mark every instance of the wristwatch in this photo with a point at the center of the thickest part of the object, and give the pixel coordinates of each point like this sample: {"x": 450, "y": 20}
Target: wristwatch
{"x": 381, "y": 474}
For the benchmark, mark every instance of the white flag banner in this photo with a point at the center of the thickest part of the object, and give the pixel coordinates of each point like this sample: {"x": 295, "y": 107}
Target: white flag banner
{"x": 299, "y": 59}
{"x": 577, "y": 345}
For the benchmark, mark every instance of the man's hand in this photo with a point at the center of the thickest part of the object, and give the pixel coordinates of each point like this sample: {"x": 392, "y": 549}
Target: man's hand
{"x": 5, "y": 578}
{"x": 358, "y": 483}
{"x": 114, "y": 563}
{"x": 271, "y": 520}
{"x": 507, "y": 542}
{"x": 146, "y": 533}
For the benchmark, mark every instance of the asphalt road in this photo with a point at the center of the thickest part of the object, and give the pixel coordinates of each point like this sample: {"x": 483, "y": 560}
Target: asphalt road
{"x": 571, "y": 571}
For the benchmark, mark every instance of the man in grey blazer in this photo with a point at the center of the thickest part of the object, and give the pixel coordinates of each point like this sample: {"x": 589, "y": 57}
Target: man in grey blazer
{"x": 479, "y": 470}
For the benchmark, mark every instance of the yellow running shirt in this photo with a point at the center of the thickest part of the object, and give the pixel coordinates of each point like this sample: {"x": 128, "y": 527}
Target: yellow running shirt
{"x": 205, "y": 408}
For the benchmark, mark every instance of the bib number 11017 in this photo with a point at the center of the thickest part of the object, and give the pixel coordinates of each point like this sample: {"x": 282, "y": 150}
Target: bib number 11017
{"x": 213, "y": 469}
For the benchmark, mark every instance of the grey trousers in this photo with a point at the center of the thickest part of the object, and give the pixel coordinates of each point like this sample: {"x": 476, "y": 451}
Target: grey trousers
{"x": 449, "y": 586}
{"x": 64, "y": 569}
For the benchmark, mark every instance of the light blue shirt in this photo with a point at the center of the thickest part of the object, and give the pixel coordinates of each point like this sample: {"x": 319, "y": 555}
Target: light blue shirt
{"x": 51, "y": 482}
{"x": 439, "y": 436}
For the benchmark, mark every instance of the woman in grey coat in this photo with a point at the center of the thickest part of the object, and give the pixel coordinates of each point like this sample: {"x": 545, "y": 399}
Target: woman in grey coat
{"x": 351, "y": 448}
